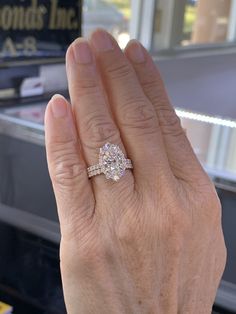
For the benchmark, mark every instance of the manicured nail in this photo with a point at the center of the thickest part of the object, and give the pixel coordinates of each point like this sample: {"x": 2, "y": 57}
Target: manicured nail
{"x": 102, "y": 41}
{"x": 82, "y": 52}
{"x": 59, "y": 106}
{"x": 136, "y": 52}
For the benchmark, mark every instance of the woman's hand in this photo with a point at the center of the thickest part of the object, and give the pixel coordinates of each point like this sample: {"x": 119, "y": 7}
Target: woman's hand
{"x": 151, "y": 242}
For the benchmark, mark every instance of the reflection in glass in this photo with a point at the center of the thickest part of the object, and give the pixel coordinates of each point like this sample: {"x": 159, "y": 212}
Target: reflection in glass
{"x": 194, "y": 22}
{"x": 210, "y": 20}
{"x": 112, "y": 15}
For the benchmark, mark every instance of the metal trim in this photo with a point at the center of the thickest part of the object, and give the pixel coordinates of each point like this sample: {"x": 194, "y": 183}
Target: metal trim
{"x": 39, "y": 226}
{"x": 22, "y": 129}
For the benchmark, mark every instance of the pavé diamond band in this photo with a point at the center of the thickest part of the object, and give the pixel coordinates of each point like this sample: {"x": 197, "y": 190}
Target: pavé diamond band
{"x": 112, "y": 163}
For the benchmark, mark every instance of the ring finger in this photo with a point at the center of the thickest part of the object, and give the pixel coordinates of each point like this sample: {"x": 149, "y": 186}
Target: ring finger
{"x": 134, "y": 113}
{"x": 94, "y": 121}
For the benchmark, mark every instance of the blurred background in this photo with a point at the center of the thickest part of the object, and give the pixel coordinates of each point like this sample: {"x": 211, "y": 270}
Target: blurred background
{"x": 193, "y": 42}
{"x": 183, "y": 23}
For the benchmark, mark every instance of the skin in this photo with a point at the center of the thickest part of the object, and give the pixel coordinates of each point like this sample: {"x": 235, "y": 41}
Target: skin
{"x": 151, "y": 242}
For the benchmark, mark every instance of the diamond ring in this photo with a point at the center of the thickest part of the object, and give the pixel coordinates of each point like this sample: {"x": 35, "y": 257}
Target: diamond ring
{"x": 112, "y": 163}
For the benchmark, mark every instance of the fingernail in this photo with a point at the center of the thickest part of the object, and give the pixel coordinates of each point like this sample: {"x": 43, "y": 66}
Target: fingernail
{"x": 82, "y": 52}
{"x": 136, "y": 52}
{"x": 59, "y": 106}
{"x": 102, "y": 41}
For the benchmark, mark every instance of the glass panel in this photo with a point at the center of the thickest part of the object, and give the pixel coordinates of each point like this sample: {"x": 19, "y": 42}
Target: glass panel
{"x": 214, "y": 142}
{"x": 194, "y": 22}
{"x": 112, "y": 15}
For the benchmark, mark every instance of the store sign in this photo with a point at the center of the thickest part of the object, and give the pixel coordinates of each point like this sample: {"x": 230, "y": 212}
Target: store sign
{"x": 38, "y": 28}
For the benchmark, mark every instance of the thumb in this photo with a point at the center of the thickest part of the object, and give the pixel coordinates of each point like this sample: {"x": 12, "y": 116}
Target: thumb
{"x": 68, "y": 172}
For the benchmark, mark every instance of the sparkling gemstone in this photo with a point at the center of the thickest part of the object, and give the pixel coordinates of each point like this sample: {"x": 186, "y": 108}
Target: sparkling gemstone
{"x": 112, "y": 161}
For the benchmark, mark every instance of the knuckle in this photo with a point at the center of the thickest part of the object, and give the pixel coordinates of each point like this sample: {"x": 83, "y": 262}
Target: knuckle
{"x": 137, "y": 115}
{"x": 119, "y": 71}
{"x": 79, "y": 226}
{"x": 87, "y": 87}
{"x": 66, "y": 168}
{"x": 57, "y": 142}
{"x": 151, "y": 84}
{"x": 97, "y": 253}
{"x": 98, "y": 129}
{"x": 130, "y": 226}
{"x": 67, "y": 172}
{"x": 175, "y": 226}
{"x": 125, "y": 233}
{"x": 154, "y": 87}
{"x": 87, "y": 83}
{"x": 212, "y": 208}
{"x": 170, "y": 122}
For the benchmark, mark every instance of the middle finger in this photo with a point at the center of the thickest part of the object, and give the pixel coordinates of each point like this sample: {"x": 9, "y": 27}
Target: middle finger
{"x": 134, "y": 113}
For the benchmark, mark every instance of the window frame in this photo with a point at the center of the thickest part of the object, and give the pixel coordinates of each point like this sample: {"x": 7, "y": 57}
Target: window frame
{"x": 142, "y": 27}
{"x": 142, "y": 21}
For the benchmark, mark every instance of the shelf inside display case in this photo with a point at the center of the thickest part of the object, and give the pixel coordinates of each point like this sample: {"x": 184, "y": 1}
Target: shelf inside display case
{"x": 24, "y": 85}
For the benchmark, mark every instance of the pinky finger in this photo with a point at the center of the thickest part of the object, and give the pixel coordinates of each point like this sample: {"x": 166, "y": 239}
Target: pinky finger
{"x": 73, "y": 191}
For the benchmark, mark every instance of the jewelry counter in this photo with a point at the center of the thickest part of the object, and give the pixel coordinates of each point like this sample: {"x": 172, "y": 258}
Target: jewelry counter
{"x": 27, "y": 203}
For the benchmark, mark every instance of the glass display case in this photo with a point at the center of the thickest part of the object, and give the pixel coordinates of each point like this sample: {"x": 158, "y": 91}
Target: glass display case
{"x": 26, "y": 195}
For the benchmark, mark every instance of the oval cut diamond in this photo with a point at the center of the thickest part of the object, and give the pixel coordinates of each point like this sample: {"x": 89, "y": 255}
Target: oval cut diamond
{"x": 112, "y": 161}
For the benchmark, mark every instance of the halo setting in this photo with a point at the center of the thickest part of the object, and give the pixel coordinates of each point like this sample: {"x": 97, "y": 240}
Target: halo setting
{"x": 112, "y": 163}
